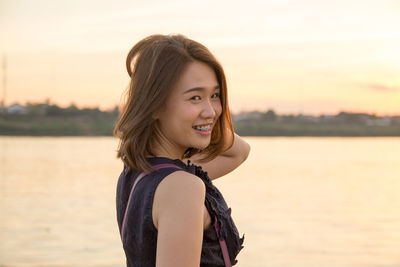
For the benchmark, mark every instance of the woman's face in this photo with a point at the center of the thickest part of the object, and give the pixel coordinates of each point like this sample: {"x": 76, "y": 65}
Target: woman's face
{"x": 191, "y": 111}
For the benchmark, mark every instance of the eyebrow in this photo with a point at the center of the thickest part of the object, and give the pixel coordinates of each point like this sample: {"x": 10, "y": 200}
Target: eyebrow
{"x": 199, "y": 89}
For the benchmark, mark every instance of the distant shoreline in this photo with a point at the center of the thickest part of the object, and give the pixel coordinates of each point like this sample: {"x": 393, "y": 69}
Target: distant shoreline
{"x": 51, "y": 120}
{"x": 297, "y": 129}
{"x": 85, "y": 125}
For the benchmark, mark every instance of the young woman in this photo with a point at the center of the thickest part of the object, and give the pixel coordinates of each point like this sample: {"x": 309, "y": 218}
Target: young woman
{"x": 176, "y": 110}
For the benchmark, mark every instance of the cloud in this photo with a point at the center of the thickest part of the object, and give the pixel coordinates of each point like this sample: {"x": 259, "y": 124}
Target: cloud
{"x": 382, "y": 88}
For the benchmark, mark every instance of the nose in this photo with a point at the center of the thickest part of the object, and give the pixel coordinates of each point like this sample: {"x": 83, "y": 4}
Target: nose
{"x": 208, "y": 110}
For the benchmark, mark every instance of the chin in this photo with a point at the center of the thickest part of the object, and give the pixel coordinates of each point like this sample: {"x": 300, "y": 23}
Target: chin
{"x": 201, "y": 146}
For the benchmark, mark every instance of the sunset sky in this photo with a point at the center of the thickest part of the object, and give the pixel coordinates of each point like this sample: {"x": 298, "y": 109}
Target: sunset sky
{"x": 307, "y": 56}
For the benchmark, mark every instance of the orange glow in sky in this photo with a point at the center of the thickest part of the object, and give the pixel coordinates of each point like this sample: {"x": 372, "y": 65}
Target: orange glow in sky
{"x": 310, "y": 56}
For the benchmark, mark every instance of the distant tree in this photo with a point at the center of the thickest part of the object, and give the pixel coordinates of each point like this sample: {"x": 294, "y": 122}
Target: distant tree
{"x": 90, "y": 111}
{"x": 288, "y": 118}
{"x": 37, "y": 109}
{"x": 353, "y": 118}
{"x": 54, "y": 110}
{"x": 270, "y": 115}
{"x": 72, "y": 110}
{"x": 115, "y": 111}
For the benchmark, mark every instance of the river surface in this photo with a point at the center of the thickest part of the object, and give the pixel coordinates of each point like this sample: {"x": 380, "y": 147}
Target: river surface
{"x": 301, "y": 201}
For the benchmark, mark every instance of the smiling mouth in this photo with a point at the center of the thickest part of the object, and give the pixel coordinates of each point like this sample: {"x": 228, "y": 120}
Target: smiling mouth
{"x": 203, "y": 128}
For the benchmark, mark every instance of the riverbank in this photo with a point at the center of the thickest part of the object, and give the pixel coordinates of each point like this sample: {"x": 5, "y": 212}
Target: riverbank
{"x": 103, "y": 125}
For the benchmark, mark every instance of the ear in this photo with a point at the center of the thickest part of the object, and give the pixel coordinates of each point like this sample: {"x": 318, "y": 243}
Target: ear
{"x": 158, "y": 111}
{"x": 156, "y": 114}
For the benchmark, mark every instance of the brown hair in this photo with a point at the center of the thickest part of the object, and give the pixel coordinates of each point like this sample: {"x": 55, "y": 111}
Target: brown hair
{"x": 154, "y": 65}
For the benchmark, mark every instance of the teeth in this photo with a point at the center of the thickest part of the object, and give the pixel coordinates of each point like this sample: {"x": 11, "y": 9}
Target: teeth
{"x": 203, "y": 128}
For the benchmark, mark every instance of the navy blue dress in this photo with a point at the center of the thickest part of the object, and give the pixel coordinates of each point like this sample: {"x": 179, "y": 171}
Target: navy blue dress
{"x": 140, "y": 235}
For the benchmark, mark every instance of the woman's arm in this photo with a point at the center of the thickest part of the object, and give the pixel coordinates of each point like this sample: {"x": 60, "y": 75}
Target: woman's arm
{"x": 178, "y": 214}
{"x": 228, "y": 160}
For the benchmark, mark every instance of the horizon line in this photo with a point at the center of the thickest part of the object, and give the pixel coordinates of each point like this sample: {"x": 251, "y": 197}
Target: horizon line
{"x": 48, "y": 102}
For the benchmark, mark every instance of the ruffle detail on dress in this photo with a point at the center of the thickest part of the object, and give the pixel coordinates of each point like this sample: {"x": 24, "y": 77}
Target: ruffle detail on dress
{"x": 218, "y": 206}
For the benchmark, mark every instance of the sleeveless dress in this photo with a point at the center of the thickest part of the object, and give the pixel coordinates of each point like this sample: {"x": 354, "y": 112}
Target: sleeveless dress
{"x": 140, "y": 235}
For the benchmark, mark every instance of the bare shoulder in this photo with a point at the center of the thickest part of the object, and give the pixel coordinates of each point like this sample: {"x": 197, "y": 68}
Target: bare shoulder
{"x": 178, "y": 216}
{"x": 182, "y": 180}
{"x": 177, "y": 192}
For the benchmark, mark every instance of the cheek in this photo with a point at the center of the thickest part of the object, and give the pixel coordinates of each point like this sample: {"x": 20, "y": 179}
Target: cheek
{"x": 218, "y": 108}
{"x": 189, "y": 111}
{"x": 183, "y": 116}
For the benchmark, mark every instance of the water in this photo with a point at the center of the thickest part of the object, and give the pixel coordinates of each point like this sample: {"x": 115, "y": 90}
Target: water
{"x": 299, "y": 202}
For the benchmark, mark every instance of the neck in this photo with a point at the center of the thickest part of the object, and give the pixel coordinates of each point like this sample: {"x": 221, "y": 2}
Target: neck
{"x": 167, "y": 150}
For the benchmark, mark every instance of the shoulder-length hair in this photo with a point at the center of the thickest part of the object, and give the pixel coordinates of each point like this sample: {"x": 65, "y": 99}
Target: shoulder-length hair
{"x": 154, "y": 65}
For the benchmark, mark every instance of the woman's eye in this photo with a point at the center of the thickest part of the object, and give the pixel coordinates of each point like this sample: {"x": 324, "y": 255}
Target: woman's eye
{"x": 216, "y": 95}
{"x": 196, "y": 97}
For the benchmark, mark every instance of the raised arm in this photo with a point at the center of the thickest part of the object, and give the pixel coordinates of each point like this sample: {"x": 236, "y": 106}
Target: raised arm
{"x": 228, "y": 160}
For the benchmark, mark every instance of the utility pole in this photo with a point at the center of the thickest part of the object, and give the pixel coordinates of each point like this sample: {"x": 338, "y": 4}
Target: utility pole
{"x": 3, "y": 102}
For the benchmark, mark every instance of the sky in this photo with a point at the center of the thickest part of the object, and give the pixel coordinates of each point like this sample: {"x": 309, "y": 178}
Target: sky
{"x": 307, "y": 56}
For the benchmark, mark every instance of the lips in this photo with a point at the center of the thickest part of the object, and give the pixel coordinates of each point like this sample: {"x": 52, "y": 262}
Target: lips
{"x": 203, "y": 127}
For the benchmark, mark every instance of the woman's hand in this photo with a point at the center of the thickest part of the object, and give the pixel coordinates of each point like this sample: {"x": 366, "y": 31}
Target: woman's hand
{"x": 229, "y": 160}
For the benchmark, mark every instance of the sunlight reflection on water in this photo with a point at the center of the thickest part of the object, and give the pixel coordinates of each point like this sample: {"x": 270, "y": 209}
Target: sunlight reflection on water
{"x": 299, "y": 202}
